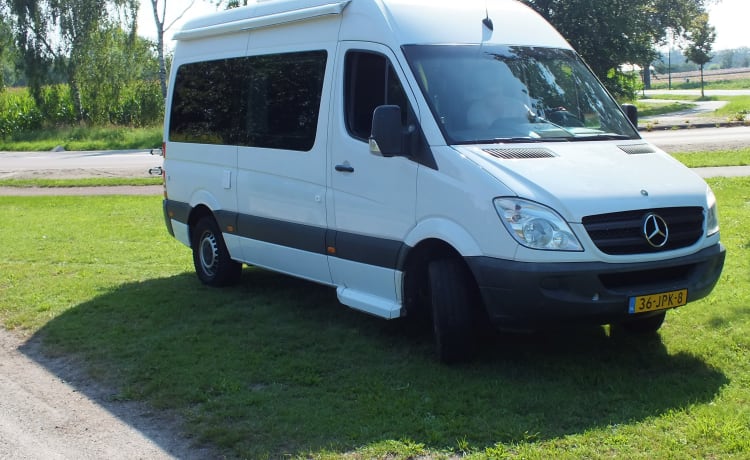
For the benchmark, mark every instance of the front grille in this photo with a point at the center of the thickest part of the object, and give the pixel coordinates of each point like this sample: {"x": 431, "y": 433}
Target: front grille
{"x": 622, "y": 233}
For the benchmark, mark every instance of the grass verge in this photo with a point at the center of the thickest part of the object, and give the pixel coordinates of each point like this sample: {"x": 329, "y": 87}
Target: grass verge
{"x": 739, "y": 83}
{"x": 84, "y": 182}
{"x": 649, "y": 109}
{"x": 84, "y": 139}
{"x": 732, "y": 157}
{"x": 275, "y": 367}
{"x": 736, "y": 109}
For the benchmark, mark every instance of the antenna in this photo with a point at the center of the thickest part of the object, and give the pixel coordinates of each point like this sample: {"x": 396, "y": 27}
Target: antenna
{"x": 487, "y": 21}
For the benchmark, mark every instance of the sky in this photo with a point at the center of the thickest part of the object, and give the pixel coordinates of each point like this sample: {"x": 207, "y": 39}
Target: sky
{"x": 729, "y": 17}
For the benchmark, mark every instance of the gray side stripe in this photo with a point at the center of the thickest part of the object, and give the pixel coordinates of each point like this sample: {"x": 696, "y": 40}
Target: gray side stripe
{"x": 369, "y": 250}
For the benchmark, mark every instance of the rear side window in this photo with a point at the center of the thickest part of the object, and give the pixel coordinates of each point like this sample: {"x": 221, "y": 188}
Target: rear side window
{"x": 269, "y": 101}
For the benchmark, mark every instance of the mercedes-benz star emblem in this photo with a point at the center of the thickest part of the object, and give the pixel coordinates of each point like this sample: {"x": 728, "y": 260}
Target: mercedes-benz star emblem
{"x": 655, "y": 230}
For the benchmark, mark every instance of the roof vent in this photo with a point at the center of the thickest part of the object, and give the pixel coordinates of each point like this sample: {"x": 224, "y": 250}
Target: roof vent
{"x": 520, "y": 153}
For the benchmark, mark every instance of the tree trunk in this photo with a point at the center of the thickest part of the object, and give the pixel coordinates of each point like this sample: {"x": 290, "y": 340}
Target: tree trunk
{"x": 702, "y": 93}
{"x": 160, "y": 46}
{"x": 647, "y": 76}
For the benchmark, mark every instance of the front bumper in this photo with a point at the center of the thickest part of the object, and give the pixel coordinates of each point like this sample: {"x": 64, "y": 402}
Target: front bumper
{"x": 523, "y": 294}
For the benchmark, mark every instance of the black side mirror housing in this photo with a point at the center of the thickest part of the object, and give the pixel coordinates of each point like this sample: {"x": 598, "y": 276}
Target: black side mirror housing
{"x": 631, "y": 112}
{"x": 387, "y": 134}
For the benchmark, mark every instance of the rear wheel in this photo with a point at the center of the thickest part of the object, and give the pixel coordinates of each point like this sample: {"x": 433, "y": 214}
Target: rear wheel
{"x": 452, "y": 299}
{"x": 213, "y": 265}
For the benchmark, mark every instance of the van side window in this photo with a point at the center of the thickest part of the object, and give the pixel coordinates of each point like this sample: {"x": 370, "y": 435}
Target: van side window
{"x": 270, "y": 101}
{"x": 283, "y": 97}
{"x": 370, "y": 81}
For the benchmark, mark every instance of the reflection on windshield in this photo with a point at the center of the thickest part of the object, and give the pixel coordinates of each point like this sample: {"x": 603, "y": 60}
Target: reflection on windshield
{"x": 488, "y": 93}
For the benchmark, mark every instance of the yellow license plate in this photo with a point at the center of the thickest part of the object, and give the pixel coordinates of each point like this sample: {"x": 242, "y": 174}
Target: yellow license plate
{"x": 661, "y": 301}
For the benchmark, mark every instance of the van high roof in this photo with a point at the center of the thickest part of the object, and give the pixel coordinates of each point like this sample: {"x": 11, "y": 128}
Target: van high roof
{"x": 401, "y": 21}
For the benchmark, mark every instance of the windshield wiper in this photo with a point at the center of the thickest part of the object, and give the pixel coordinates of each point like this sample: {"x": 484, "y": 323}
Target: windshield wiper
{"x": 603, "y": 137}
{"x": 515, "y": 140}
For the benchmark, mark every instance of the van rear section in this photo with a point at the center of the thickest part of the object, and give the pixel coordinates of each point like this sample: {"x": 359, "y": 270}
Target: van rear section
{"x": 454, "y": 161}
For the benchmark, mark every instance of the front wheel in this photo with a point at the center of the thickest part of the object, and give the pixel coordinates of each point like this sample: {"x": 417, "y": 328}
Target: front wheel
{"x": 213, "y": 265}
{"x": 452, "y": 300}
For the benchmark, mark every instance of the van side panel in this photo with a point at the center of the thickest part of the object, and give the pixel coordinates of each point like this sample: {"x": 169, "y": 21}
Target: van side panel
{"x": 200, "y": 173}
{"x": 282, "y": 173}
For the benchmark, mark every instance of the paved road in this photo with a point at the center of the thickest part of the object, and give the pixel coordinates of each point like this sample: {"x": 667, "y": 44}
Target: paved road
{"x": 685, "y": 140}
{"x": 128, "y": 163}
{"x": 136, "y": 163}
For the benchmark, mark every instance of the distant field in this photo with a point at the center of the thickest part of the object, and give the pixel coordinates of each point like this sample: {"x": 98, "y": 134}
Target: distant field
{"x": 708, "y": 75}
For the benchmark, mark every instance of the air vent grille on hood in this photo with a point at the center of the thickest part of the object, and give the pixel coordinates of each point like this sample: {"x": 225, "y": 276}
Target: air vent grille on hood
{"x": 520, "y": 153}
{"x": 637, "y": 149}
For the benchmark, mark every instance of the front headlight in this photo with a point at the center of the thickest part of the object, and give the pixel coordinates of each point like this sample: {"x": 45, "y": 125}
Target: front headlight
{"x": 536, "y": 226}
{"x": 712, "y": 213}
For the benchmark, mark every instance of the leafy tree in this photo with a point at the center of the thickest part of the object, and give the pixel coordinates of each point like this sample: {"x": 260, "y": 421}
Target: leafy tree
{"x": 57, "y": 35}
{"x": 116, "y": 62}
{"x": 700, "y": 41}
{"x": 609, "y": 34}
{"x": 8, "y": 51}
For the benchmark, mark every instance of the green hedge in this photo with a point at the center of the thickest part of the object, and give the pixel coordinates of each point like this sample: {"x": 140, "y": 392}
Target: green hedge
{"x": 139, "y": 104}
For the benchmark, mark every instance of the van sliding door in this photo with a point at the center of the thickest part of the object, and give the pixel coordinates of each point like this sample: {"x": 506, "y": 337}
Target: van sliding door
{"x": 281, "y": 183}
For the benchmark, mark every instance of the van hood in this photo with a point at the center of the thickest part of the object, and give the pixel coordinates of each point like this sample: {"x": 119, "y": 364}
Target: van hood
{"x": 591, "y": 177}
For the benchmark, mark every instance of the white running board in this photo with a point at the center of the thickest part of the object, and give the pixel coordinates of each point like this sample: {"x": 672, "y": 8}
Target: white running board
{"x": 368, "y": 303}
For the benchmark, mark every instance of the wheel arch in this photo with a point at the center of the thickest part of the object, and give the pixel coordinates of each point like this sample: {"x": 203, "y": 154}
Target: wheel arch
{"x": 196, "y": 214}
{"x": 415, "y": 267}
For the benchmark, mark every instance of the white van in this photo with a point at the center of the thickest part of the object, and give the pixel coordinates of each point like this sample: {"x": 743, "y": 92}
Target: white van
{"x": 452, "y": 158}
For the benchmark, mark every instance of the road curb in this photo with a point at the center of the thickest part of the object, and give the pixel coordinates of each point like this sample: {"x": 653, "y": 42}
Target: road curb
{"x": 688, "y": 125}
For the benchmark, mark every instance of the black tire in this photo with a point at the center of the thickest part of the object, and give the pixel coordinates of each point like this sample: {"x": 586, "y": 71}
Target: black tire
{"x": 452, "y": 299}
{"x": 644, "y": 326}
{"x": 213, "y": 265}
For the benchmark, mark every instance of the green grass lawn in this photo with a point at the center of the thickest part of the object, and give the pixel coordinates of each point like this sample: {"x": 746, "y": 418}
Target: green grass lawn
{"x": 275, "y": 367}
{"x": 732, "y": 157}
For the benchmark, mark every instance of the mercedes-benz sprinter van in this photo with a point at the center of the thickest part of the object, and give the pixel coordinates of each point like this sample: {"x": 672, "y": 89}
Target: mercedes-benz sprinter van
{"x": 453, "y": 158}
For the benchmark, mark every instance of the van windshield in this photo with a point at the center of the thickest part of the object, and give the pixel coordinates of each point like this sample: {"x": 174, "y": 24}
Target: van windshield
{"x": 495, "y": 94}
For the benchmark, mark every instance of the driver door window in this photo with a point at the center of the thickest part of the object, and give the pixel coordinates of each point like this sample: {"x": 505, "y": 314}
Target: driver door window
{"x": 370, "y": 81}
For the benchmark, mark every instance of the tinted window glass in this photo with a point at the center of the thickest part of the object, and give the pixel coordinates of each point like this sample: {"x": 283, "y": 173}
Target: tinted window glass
{"x": 370, "y": 81}
{"x": 261, "y": 101}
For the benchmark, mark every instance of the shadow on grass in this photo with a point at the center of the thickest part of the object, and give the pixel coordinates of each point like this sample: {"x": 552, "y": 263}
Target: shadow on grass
{"x": 275, "y": 366}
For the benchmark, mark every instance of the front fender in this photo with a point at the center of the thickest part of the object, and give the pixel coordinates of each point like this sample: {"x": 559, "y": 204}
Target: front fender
{"x": 446, "y": 230}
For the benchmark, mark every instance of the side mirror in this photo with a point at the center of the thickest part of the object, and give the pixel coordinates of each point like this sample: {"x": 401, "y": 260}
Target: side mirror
{"x": 631, "y": 112}
{"x": 387, "y": 136}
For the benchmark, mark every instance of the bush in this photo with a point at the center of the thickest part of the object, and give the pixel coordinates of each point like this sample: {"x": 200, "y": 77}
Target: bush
{"x": 57, "y": 106}
{"x": 140, "y": 104}
{"x": 18, "y": 113}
